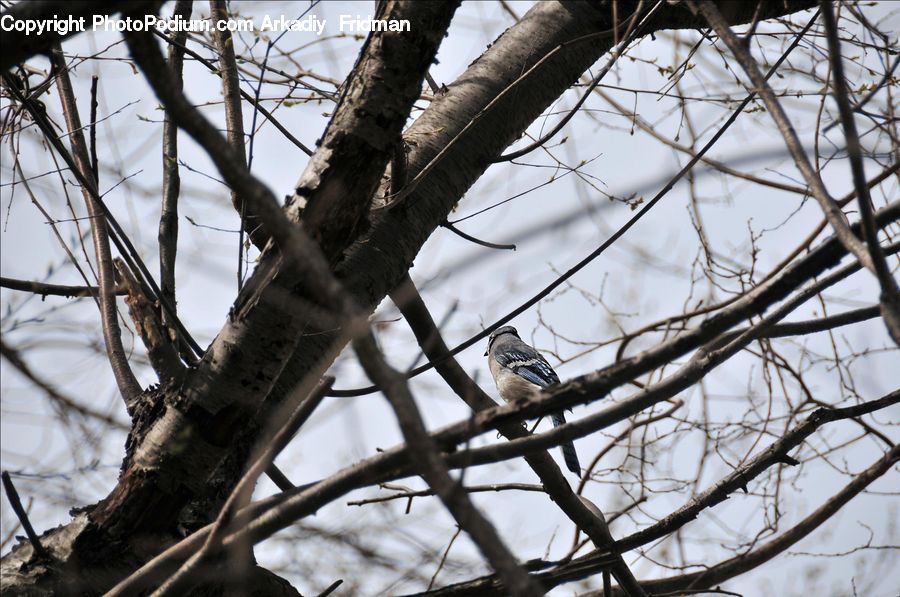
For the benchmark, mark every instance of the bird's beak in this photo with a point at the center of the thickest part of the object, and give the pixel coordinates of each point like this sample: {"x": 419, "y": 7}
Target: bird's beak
{"x": 485, "y": 351}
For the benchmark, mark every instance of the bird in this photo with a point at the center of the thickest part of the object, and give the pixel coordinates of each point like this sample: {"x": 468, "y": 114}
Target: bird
{"x": 519, "y": 370}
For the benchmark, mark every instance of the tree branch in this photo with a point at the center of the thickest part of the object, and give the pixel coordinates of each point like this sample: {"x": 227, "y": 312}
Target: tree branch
{"x": 428, "y": 463}
{"x": 19, "y": 46}
{"x": 13, "y": 496}
{"x": 606, "y": 243}
{"x": 586, "y": 566}
{"x": 234, "y": 118}
{"x": 585, "y": 515}
{"x": 266, "y": 324}
{"x": 148, "y": 325}
{"x": 890, "y": 293}
{"x": 743, "y": 563}
{"x": 832, "y": 211}
{"x": 44, "y": 289}
{"x": 267, "y": 449}
{"x": 167, "y": 237}
{"x": 112, "y": 334}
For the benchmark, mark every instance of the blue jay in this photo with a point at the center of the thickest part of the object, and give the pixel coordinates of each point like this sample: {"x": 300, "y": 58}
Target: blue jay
{"x": 520, "y": 370}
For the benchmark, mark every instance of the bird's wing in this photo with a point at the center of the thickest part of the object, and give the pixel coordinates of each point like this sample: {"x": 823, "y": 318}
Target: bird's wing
{"x": 529, "y": 365}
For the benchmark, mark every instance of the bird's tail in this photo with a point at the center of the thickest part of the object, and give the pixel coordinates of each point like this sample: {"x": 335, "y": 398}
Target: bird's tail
{"x": 568, "y": 449}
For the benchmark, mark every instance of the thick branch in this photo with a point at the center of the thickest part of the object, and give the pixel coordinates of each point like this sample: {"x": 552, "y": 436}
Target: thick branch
{"x": 268, "y": 447}
{"x": 227, "y": 389}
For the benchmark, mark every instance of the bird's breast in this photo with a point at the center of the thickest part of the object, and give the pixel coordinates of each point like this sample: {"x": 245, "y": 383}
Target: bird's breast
{"x": 513, "y": 387}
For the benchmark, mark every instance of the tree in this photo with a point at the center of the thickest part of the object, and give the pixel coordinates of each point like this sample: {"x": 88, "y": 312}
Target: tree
{"x": 314, "y": 268}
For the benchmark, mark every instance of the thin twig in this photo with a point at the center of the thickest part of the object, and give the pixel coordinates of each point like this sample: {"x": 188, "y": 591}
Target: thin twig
{"x": 630, "y": 35}
{"x": 44, "y": 289}
{"x": 444, "y": 558}
{"x": 775, "y": 454}
{"x": 469, "y": 489}
{"x": 13, "y": 496}
{"x": 212, "y": 67}
{"x": 331, "y": 588}
{"x": 477, "y": 241}
{"x": 117, "y": 234}
{"x": 17, "y": 167}
{"x": 395, "y": 200}
{"x": 167, "y": 236}
{"x": 829, "y": 206}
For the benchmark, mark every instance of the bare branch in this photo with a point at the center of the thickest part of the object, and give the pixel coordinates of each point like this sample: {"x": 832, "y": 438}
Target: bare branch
{"x": 890, "y": 293}
{"x": 586, "y": 516}
{"x": 167, "y": 237}
{"x": 112, "y": 335}
{"x": 44, "y": 289}
{"x": 832, "y": 211}
{"x": 253, "y": 101}
{"x": 776, "y": 453}
{"x": 13, "y": 496}
{"x": 234, "y": 121}
{"x": 745, "y": 562}
{"x": 18, "y": 46}
{"x": 429, "y": 465}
